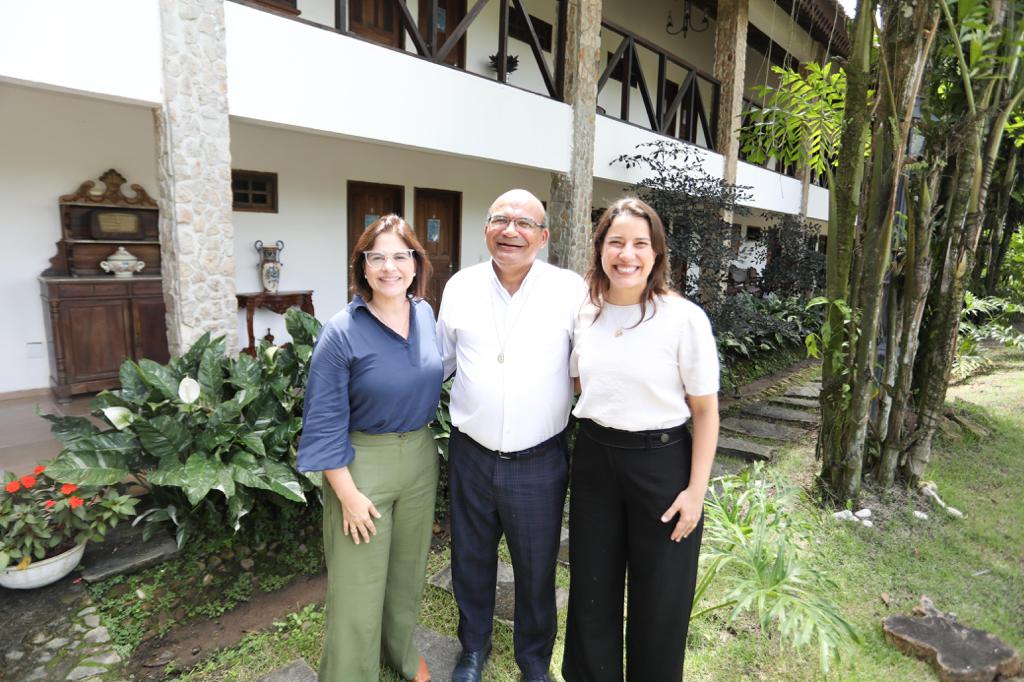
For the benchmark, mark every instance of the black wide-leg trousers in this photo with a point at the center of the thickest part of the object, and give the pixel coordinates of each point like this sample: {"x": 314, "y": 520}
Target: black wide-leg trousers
{"x": 622, "y": 482}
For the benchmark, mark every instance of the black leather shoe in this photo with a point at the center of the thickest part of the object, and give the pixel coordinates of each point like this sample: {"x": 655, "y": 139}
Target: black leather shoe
{"x": 543, "y": 677}
{"x": 471, "y": 665}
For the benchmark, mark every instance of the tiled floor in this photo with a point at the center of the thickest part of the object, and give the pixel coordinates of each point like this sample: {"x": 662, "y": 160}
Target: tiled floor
{"x": 25, "y": 436}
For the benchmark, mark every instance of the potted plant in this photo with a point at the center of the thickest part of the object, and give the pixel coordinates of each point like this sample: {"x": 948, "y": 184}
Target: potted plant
{"x": 44, "y": 525}
{"x": 511, "y": 63}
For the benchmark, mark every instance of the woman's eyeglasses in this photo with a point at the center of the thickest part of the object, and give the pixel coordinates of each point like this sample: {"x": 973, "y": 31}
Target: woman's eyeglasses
{"x": 377, "y": 259}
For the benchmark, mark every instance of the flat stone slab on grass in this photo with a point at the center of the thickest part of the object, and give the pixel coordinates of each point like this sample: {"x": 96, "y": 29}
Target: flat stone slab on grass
{"x": 505, "y": 599}
{"x": 786, "y": 414}
{"x": 563, "y": 547}
{"x": 744, "y": 449}
{"x": 762, "y": 429}
{"x": 956, "y": 651}
{"x": 296, "y": 671}
{"x": 122, "y": 552}
{"x": 442, "y": 653}
{"x": 790, "y": 401}
{"x": 804, "y": 391}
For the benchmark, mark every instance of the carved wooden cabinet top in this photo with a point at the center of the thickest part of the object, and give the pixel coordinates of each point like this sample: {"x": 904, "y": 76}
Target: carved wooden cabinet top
{"x": 96, "y": 221}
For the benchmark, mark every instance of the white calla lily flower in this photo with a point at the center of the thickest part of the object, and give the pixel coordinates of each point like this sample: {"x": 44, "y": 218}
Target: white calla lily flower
{"x": 120, "y": 417}
{"x": 188, "y": 390}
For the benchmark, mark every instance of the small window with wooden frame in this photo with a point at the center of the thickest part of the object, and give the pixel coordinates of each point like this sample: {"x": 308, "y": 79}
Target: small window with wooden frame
{"x": 254, "y": 191}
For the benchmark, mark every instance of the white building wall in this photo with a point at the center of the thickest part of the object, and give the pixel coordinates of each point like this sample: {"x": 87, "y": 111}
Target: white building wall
{"x": 51, "y": 143}
{"x": 313, "y": 172}
{"x": 109, "y": 48}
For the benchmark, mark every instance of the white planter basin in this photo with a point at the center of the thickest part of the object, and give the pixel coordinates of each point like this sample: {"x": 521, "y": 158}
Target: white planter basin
{"x": 44, "y": 572}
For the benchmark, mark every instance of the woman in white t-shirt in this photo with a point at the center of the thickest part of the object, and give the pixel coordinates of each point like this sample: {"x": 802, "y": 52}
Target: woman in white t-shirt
{"x": 646, "y": 362}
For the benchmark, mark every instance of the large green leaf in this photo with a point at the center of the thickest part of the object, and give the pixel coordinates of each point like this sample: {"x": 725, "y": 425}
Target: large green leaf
{"x": 245, "y": 372}
{"x": 225, "y": 413}
{"x": 107, "y": 399}
{"x": 69, "y": 429}
{"x": 263, "y": 413}
{"x": 170, "y": 473}
{"x": 188, "y": 364}
{"x": 202, "y": 473}
{"x": 163, "y": 436}
{"x": 302, "y": 327}
{"x": 253, "y": 442}
{"x": 89, "y": 468}
{"x": 211, "y": 374}
{"x": 159, "y": 377}
{"x": 213, "y": 438}
{"x": 239, "y": 505}
{"x": 133, "y": 388}
{"x": 266, "y": 474}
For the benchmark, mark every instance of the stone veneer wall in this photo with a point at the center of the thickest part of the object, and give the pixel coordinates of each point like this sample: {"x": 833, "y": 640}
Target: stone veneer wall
{"x": 572, "y": 193}
{"x": 193, "y": 150}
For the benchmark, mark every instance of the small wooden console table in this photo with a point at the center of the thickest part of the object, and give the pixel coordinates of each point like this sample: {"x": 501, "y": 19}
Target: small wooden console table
{"x": 279, "y": 303}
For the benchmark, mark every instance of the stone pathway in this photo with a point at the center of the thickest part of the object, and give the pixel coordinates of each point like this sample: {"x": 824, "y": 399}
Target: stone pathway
{"x": 54, "y": 632}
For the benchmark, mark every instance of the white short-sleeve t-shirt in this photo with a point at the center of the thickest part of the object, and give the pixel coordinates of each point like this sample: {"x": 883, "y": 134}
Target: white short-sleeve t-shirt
{"x": 636, "y": 378}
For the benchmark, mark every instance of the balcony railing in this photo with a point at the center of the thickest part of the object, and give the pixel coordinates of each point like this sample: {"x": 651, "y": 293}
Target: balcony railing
{"x": 684, "y": 103}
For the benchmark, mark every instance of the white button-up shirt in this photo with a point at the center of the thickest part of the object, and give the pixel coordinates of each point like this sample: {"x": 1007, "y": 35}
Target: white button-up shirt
{"x": 524, "y": 400}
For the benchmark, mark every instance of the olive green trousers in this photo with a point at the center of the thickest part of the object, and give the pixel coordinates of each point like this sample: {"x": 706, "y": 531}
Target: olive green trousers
{"x": 374, "y": 589}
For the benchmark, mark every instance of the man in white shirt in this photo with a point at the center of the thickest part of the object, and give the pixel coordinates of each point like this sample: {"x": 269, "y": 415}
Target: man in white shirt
{"x": 505, "y": 328}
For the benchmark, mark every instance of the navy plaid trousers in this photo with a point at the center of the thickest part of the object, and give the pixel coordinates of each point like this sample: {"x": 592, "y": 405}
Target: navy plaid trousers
{"x": 521, "y": 496}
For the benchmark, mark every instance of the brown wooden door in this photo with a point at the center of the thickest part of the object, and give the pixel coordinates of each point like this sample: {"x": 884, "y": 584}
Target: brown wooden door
{"x": 150, "y": 329}
{"x": 438, "y": 223}
{"x": 368, "y": 201}
{"x": 449, "y": 14}
{"x": 97, "y": 338}
{"x": 376, "y": 20}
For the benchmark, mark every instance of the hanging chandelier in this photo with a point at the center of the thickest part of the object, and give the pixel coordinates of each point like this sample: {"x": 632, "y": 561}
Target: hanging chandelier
{"x": 686, "y": 23}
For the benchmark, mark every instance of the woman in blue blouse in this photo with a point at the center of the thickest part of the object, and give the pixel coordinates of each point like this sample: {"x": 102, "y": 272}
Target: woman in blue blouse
{"x": 374, "y": 383}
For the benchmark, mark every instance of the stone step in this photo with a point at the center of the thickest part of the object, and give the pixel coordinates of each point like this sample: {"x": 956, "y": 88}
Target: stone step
{"x": 790, "y": 401}
{"x": 785, "y": 414}
{"x": 762, "y": 429}
{"x": 123, "y": 551}
{"x": 296, "y": 671}
{"x": 441, "y": 652}
{"x": 743, "y": 449}
{"x": 505, "y": 599}
{"x": 804, "y": 391}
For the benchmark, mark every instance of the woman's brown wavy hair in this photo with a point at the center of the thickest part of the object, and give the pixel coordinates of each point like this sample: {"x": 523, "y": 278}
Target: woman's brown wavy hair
{"x": 395, "y": 225}
{"x": 657, "y": 280}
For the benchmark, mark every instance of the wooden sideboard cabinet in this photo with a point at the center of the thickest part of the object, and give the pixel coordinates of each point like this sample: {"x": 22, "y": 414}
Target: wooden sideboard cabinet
{"x": 95, "y": 324}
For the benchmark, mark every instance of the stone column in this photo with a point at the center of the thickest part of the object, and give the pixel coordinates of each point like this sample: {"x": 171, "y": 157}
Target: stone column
{"x": 730, "y": 69}
{"x": 572, "y": 192}
{"x": 193, "y": 149}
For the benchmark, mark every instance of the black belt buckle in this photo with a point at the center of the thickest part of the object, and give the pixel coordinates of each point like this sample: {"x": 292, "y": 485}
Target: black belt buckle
{"x": 503, "y": 455}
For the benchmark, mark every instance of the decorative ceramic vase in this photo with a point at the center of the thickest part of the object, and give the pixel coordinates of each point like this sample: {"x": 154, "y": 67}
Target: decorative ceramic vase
{"x": 122, "y": 263}
{"x": 40, "y": 573}
{"x": 270, "y": 265}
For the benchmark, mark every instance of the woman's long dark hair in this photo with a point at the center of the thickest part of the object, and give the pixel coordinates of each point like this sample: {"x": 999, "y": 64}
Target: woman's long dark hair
{"x": 657, "y": 280}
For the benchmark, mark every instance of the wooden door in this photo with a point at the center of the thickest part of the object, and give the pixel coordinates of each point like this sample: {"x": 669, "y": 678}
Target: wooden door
{"x": 449, "y": 14}
{"x": 149, "y": 319}
{"x": 368, "y": 201}
{"x": 376, "y": 20}
{"x": 438, "y": 223}
{"x": 96, "y": 338}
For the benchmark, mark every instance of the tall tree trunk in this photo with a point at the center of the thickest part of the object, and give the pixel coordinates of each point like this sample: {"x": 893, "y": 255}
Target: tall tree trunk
{"x": 844, "y": 199}
{"x": 904, "y": 51}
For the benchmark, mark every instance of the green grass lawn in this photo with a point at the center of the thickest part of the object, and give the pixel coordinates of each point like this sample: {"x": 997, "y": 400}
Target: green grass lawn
{"x": 973, "y": 567}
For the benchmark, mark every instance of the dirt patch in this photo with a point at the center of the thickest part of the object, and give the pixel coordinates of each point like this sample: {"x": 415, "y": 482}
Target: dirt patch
{"x": 187, "y": 645}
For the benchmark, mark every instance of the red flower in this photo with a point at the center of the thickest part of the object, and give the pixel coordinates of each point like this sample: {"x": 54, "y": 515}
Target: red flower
{"x": 68, "y": 488}
{"x": 12, "y": 487}
{"x": 76, "y": 502}
{"x": 49, "y": 504}
{"x": 28, "y": 481}
{"x": 38, "y": 470}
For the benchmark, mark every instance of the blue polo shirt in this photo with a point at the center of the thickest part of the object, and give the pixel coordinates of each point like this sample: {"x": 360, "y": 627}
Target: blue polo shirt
{"x": 365, "y": 377}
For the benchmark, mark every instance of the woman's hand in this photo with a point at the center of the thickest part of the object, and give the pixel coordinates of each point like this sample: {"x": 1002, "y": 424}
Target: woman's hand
{"x": 689, "y": 504}
{"x": 358, "y": 514}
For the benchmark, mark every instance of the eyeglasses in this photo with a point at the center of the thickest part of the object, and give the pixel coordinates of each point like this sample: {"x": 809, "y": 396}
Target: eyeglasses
{"x": 501, "y": 222}
{"x": 377, "y": 259}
